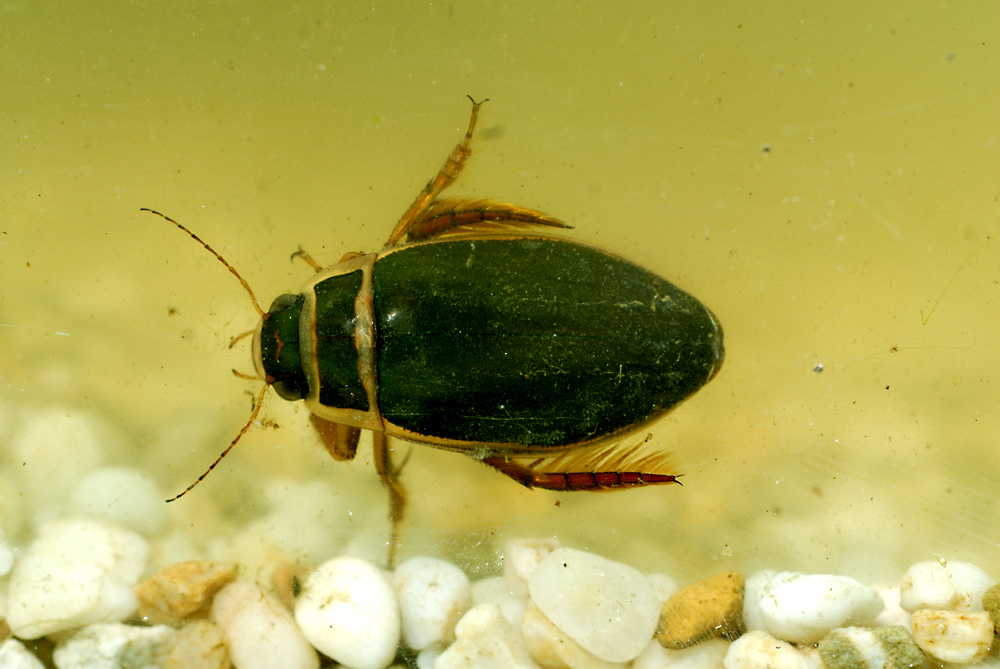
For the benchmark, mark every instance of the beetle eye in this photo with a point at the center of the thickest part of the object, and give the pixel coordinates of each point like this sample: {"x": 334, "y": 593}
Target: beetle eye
{"x": 288, "y": 391}
{"x": 282, "y": 302}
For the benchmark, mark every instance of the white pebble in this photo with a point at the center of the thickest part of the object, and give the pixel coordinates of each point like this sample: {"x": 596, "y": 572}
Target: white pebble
{"x": 759, "y": 650}
{"x": 709, "y": 654}
{"x": 114, "y": 645}
{"x": 610, "y": 609}
{"x": 484, "y": 640}
{"x": 433, "y": 595}
{"x": 947, "y": 585}
{"x": 496, "y": 590}
{"x": 803, "y": 608}
{"x": 951, "y": 636}
{"x": 427, "y": 657}
{"x": 13, "y": 655}
{"x": 520, "y": 557}
{"x": 551, "y": 647}
{"x": 348, "y": 611}
{"x": 259, "y": 630}
{"x": 78, "y": 571}
{"x": 892, "y": 613}
{"x": 121, "y": 496}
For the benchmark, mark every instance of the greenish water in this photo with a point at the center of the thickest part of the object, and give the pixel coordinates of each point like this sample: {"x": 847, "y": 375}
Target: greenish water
{"x": 824, "y": 178}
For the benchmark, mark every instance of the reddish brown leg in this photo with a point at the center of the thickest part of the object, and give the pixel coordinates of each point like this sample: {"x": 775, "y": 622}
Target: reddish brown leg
{"x": 445, "y": 177}
{"x": 475, "y": 216}
{"x": 532, "y": 478}
{"x": 397, "y": 494}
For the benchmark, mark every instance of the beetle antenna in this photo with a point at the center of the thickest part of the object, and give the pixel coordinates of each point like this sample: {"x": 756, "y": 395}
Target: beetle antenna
{"x": 253, "y": 417}
{"x": 246, "y": 286}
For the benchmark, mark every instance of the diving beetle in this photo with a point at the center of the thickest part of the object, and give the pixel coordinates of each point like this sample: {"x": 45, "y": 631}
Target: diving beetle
{"x": 482, "y": 334}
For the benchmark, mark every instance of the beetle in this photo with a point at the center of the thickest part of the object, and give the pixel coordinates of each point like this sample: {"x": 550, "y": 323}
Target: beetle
{"x": 477, "y": 330}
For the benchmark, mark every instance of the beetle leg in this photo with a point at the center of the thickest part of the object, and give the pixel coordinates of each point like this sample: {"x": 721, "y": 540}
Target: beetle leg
{"x": 476, "y": 217}
{"x": 340, "y": 440}
{"x": 445, "y": 177}
{"x": 397, "y": 494}
{"x": 309, "y": 260}
{"x": 582, "y": 480}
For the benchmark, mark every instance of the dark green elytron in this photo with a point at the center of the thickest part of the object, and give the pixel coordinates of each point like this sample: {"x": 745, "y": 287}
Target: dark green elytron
{"x": 530, "y": 353}
{"x": 492, "y": 344}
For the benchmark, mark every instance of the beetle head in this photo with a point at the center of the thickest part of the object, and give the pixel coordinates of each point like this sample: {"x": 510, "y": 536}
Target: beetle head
{"x": 276, "y": 348}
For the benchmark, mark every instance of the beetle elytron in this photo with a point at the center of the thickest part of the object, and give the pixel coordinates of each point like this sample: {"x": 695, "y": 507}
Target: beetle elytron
{"x": 481, "y": 334}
